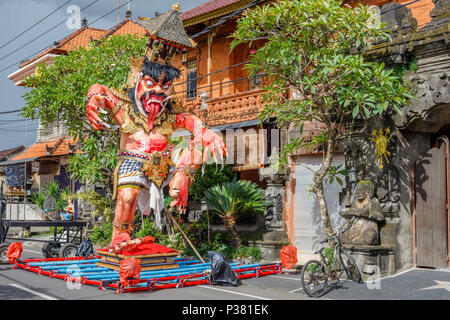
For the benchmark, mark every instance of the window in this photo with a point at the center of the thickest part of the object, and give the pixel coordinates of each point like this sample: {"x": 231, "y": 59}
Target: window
{"x": 191, "y": 81}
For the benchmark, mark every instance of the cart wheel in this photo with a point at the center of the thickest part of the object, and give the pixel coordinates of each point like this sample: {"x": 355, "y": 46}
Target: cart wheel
{"x": 68, "y": 250}
{"x": 4, "y": 253}
{"x": 51, "y": 250}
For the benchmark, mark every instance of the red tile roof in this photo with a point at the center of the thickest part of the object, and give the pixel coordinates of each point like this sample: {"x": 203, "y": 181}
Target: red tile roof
{"x": 5, "y": 154}
{"x": 39, "y": 149}
{"x": 126, "y": 26}
{"x": 79, "y": 38}
{"x": 206, "y": 8}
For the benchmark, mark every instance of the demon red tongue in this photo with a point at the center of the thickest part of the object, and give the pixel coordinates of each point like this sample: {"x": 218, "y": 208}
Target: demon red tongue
{"x": 152, "y": 109}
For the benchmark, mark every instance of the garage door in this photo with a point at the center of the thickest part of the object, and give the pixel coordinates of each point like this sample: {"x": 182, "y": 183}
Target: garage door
{"x": 308, "y": 227}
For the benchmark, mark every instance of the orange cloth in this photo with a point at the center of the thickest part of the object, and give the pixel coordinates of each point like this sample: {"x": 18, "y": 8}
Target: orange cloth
{"x": 14, "y": 251}
{"x": 288, "y": 256}
{"x": 129, "y": 268}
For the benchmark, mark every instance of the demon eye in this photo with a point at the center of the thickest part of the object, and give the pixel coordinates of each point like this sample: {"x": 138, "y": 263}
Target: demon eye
{"x": 149, "y": 83}
{"x": 166, "y": 86}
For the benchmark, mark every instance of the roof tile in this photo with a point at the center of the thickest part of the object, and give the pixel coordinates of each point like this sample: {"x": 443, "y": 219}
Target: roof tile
{"x": 39, "y": 149}
{"x": 206, "y": 8}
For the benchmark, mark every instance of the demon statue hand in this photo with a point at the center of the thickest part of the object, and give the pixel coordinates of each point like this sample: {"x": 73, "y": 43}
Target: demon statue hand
{"x": 147, "y": 116}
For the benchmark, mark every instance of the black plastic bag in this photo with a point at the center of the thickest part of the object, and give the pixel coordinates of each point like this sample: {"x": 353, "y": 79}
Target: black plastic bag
{"x": 221, "y": 272}
{"x": 85, "y": 248}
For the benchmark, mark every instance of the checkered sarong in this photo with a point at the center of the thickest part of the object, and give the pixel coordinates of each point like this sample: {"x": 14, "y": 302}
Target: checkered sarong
{"x": 130, "y": 165}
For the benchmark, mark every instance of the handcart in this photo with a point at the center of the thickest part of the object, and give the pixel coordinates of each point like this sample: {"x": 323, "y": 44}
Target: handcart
{"x": 62, "y": 245}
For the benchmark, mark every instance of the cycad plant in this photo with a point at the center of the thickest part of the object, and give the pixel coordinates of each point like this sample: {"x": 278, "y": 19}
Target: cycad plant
{"x": 38, "y": 198}
{"x": 233, "y": 199}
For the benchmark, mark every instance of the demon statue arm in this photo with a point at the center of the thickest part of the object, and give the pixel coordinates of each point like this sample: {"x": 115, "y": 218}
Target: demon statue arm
{"x": 191, "y": 159}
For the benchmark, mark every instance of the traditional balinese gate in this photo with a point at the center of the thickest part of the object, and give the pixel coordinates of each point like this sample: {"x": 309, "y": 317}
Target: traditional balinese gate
{"x": 431, "y": 197}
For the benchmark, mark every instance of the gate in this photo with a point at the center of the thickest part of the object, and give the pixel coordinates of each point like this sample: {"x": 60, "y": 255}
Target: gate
{"x": 431, "y": 207}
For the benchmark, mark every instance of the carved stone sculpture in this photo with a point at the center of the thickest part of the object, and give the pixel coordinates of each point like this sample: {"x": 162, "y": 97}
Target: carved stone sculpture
{"x": 366, "y": 213}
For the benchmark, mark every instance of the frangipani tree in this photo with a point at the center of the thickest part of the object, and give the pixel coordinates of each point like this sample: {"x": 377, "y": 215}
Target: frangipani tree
{"x": 317, "y": 49}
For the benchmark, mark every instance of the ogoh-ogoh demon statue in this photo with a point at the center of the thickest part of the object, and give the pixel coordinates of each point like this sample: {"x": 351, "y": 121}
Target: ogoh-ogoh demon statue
{"x": 147, "y": 116}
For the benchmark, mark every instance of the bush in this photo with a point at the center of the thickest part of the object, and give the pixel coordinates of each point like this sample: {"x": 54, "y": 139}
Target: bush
{"x": 209, "y": 179}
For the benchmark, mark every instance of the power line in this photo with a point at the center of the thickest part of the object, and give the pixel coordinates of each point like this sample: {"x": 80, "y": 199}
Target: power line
{"x": 29, "y": 28}
{"x": 109, "y": 13}
{"x": 12, "y": 111}
{"x": 44, "y": 33}
{"x": 39, "y": 51}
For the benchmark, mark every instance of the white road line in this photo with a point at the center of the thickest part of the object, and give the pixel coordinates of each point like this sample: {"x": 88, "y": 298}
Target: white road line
{"x": 26, "y": 250}
{"x": 299, "y": 289}
{"x": 238, "y": 293}
{"x": 33, "y": 292}
{"x": 287, "y": 278}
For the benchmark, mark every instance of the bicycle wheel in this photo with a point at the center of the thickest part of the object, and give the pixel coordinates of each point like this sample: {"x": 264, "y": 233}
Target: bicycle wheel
{"x": 350, "y": 267}
{"x": 314, "y": 278}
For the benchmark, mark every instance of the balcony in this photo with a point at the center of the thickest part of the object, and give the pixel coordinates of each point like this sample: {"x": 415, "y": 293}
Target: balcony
{"x": 228, "y": 109}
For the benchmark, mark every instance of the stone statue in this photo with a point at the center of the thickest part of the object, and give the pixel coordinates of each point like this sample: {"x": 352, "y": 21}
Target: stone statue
{"x": 366, "y": 213}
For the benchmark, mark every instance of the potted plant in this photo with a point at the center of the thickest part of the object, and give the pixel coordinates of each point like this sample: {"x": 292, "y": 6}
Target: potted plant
{"x": 38, "y": 199}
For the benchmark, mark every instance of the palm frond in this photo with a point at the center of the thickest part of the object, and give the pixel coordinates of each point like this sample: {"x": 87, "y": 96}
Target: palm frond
{"x": 236, "y": 198}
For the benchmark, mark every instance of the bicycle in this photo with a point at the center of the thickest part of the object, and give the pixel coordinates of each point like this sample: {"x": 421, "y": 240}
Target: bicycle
{"x": 315, "y": 275}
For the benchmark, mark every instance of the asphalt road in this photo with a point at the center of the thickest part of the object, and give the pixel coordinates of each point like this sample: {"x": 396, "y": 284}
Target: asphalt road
{"x": 17, "y": 284}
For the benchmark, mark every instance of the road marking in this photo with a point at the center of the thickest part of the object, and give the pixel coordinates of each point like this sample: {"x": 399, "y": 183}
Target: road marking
{"x": 287, "y": 278}
{"x": 32, "y": 251}
{"x": 239, "y": 293}
{"x": 299, "y": 289}
{"x": 440, "y": 285}
{"x": 33, "y": 292}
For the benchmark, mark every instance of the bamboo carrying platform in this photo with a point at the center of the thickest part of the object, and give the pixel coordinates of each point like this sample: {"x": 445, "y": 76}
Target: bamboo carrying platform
{"x": 147, "y": 261}
{"x": 188, "y": 273}
{"x": 153, "y": 261}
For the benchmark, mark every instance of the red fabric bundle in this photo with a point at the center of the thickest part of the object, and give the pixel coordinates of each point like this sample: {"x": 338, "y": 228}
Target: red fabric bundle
{"x": 129, "y": 268}
{"x": 147, "y": 248}
{"x": 288, "y": 256}
{"x": 14, "y": 251}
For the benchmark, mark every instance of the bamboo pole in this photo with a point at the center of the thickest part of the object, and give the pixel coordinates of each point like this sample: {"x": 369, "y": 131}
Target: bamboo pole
{"x": 183, "y": 234}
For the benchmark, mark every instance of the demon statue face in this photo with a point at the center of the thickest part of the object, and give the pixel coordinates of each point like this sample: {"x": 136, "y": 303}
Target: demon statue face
{"x": 152, "y": 92}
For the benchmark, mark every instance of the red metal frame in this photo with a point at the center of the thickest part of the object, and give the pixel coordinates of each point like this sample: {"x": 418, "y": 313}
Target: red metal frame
{"x": 152, "y": 283}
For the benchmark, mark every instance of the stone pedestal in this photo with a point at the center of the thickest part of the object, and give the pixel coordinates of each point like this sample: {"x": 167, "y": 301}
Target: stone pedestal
{"x": 275, "y": 238}
{"x": 373, "y": 261}
{"x": 272, "y": 244}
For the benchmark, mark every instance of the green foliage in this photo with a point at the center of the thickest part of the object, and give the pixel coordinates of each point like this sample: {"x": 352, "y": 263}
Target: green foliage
{"x": 210, "y": 178}
{"x": 58, "y": 92}
{"x": 38, "y": 198}
{"x": 52, "y": 189}
{"x": 230, "y": 252}
{"x": 59, "y": 195}
{"x": 102, "y": 207}
{"x": 236, "y": 198}
{"x": 334, "y": 173}
{"x": 102, "y": 234}
{"x": 316, "y": 48}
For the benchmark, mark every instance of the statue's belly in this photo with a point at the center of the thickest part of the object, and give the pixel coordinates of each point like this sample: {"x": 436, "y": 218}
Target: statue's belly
{"x": 143, "y": 142}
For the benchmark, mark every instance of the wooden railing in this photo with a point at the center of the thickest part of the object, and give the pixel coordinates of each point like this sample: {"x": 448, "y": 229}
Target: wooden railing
{"x": 227, "y": 109}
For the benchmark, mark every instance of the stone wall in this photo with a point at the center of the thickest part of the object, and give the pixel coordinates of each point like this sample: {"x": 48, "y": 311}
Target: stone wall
{"x": 412, "y": 130}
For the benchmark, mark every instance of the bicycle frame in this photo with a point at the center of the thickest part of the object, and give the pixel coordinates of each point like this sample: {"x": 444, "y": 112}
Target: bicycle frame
{"x": 336, "y": 258}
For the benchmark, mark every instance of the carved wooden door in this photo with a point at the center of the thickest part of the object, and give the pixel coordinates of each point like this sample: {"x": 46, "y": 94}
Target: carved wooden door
{"x": 431, "y": 221}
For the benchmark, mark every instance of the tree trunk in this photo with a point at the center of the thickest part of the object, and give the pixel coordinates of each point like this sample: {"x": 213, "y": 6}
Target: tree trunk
{"x": 318, "y": 189}
{"x": 230, "y": 226}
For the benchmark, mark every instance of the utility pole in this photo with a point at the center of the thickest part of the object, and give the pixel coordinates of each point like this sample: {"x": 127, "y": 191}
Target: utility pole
{"x": 118, "y": 12}
{"x": 25, "y": 172}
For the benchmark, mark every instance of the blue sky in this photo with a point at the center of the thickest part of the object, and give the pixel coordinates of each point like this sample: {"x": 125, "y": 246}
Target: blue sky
{"x": 17, "y": 15}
